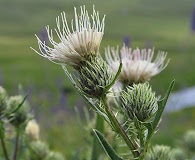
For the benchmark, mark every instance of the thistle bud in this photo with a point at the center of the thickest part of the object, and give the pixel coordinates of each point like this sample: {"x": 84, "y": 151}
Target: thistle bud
{"x": 32, "y": 130}
{"x": 54, "y": 156}
{"x": 94, "y": 77}
{"x": 139, "y": 101}
{"x": 37, "y": 150}
{"x": 189, "y": 141}
{"x": 160, "y": 152}
{"x": 21, "y": 115}
{"x": 3, "y": 97}
{"x": 179, "y": 154}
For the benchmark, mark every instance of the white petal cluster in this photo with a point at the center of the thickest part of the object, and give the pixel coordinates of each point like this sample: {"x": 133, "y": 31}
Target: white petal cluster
{"x": 138, "y": 65}
{"x": 77, "y": 42}
{"x": 32, "y": 130}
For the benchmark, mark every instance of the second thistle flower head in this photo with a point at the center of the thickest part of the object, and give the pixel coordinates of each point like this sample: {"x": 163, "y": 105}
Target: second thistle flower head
{"x": 138, "y": 66}
{"x": 139, "y": 101}
{"x": 76, "y": 43}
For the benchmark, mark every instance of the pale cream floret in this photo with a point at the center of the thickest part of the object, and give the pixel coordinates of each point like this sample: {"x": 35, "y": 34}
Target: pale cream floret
{"x": 77, "y": 43}
{"x": 32, "y": 130}
{"x": 137, "y": 64}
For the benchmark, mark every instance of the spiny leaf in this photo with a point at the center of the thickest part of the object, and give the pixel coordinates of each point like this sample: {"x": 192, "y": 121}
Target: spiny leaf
{"x": 162, "y": 104}
{"x": 107, "y": 147}
{"x": 115, "y": 78}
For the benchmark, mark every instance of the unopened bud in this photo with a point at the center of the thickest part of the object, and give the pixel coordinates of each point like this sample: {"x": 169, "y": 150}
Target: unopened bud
{"x": 139, "y": 101}
{"x": 21, "y": 115}
{"x": 37, "y": 150}
{"x": 160, "y": 152}
{"x": 3, "y": 97}
{"x": 189, "y": 140}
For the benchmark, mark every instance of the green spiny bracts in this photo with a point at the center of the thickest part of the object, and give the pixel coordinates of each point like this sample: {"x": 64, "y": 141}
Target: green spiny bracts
{"x": 21, "y": 115}
{"x": 139, "y": 101}
{"x": 94, "y": 76}
{"x": 160, "y": 152}
{"x": 3, "y": 98}
{"x": 37, "y": 150}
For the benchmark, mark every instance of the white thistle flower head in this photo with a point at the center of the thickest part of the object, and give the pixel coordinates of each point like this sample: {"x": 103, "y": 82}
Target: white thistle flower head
{"x": 32, "y": 130}
{"x": 138, "y": 65}
{"x": 77, "y": 42}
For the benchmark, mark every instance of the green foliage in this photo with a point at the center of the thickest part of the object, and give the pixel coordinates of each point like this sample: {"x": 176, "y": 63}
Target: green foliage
{"x": 174, "y": 36}
{"x": 107, "y": 147}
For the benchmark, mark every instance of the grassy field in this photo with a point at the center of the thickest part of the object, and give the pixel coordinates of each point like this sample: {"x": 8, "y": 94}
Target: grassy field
{"x": 162, "y": 24}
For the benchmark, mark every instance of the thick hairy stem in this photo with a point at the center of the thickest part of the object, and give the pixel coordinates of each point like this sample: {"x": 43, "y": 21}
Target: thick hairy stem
{"x": 119, "y": 129}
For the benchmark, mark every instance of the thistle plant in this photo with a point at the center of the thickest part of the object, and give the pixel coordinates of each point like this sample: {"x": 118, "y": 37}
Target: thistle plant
{"x": 138, "y": 110}
{"x": 25, "y": 143}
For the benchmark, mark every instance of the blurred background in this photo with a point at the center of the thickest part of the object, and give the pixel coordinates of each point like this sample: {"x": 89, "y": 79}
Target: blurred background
{"x": 167, "y": 25}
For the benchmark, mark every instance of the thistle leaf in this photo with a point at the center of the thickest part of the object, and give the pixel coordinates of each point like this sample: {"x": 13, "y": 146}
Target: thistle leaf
{"x": 115, "y": 78}
{"x": 162, "y": 104}
{"x": 20, "y": 105}
{"x": 106, "y": 146}
{"x": 97, "y": 149}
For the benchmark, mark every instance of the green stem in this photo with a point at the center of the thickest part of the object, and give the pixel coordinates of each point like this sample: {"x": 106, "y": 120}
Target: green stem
{"x": 16, "y": 145}
{"x": 119, "y": 129}
{"x": 4, "y": 149}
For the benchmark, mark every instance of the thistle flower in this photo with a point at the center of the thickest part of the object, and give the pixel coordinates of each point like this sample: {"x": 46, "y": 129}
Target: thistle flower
{"x": 160, "y": 152}
{"x": 94, "y": 76}
{"x": 189, "y": 140}
{"x": 139, "y": 101}
{"x": 37, "y": 150}
{"x": 21, "y": 115}
{"x": 54, "y": 156}
{"x": 179, "y": 154}
{"x": 32, "y": 130}
{"x": 76, "y": 44}
{"x": 138, "y": 66}
{"x": 3, "y": 98}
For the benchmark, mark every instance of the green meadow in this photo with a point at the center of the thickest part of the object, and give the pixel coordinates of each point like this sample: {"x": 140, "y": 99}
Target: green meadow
{"x": 165, "y": 25}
